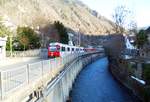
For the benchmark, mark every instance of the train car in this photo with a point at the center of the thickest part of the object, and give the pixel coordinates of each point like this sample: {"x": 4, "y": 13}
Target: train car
{"x": 61, "y": 50}
{"x": 89, "y": 49}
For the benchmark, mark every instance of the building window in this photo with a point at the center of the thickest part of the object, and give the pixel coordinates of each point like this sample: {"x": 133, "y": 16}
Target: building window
{"x": 142, "y": 54}
{"x": 77, "y": 49}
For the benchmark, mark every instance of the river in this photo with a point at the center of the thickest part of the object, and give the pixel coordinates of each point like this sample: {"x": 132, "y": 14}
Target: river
{"x": 96, "y": 84}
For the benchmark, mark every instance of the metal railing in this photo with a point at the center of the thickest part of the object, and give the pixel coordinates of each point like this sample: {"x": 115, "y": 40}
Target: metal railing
{"x": 13, "y": 78}
{"x": 59, "y": 90}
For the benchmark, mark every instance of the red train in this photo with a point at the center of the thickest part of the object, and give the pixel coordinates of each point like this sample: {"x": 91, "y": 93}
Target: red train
{"x": 61, "y": 50}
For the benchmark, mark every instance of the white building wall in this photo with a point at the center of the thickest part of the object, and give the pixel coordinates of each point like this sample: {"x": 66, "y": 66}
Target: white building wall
{"x": 2, "y": 48}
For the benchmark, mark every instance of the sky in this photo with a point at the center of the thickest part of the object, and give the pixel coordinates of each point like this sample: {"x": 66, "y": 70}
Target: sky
{"x": 141, "y": 9}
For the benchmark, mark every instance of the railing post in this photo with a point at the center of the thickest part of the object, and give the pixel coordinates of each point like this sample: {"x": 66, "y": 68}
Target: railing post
{"x": 63, "y": 60}
{"x": 28, "y": 73}
{"x": 1, "y": 88}
{"x": 1, "y": 85}
{"x": 49, "y": 62}
{"x": 42, "y": 68}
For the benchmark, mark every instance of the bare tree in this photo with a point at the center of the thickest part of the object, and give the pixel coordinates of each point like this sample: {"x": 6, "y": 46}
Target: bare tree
{"x": 120, "y": 16}
{"x": 132, "y": 26}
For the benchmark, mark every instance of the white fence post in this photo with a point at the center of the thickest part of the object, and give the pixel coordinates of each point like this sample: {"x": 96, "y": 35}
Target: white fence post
{"x": 1, "y": 86}
{"x": 28, "y": 73}
{"x": 42, "y": 72}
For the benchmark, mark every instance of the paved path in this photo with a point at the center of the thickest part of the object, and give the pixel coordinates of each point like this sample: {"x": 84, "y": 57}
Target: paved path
{"x": 18, "y": 61}
{"x": 95, "y": 84}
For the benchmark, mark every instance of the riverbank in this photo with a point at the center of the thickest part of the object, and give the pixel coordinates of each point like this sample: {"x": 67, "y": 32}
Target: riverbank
{"x": 126, "y": 87}
{"x": 122, "y": 71}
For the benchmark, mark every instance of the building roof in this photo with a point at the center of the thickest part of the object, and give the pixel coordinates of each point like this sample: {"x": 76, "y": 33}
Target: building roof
{"x": 3, "y": 41}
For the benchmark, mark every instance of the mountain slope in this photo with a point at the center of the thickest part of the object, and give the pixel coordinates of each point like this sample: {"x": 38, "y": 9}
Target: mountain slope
{"x": 72, "y": 13}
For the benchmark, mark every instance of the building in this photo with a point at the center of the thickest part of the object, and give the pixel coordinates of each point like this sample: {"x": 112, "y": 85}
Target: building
{"x": 130, "y": 50}
{"x": 70, "y": 35}
{"x": 145, "y": 51}
{"x": 2, "y": 48}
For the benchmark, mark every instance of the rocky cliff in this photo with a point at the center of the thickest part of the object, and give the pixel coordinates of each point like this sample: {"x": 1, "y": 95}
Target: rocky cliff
{"x": 72, "y": 13}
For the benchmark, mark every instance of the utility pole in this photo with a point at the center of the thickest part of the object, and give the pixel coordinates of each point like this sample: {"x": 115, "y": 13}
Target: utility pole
{"x": 78, "y": 38}
{"x": 79, "y": 35}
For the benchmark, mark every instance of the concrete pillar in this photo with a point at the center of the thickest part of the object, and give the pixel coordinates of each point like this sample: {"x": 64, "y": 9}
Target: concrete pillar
{"x": 139, "y": 70}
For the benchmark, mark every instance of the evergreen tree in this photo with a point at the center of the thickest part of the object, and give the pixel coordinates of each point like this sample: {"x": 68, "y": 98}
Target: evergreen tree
{"x": 141, "y": 39}
{"x": 62, "y": 31}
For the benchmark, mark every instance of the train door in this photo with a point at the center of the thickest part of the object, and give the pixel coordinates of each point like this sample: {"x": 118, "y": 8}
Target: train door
{"x": 63, "y": 51}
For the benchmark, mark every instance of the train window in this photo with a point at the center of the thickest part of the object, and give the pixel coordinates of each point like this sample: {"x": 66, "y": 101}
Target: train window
{"x": 77, "y": 49}
{"x": 68, "y": 49}
{"x": 63, "y": 49}
{"x": 52, "y": 49}
{"x": 72, "y": 49}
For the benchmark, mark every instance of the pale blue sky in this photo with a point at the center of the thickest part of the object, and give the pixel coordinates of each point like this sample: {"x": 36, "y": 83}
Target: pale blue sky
{"x": 141, "y": 9}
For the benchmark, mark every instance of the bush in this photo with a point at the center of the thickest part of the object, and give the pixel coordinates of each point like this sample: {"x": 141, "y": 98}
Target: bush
{"x": 141, "y": 38}
{"x": 146, "y": 94}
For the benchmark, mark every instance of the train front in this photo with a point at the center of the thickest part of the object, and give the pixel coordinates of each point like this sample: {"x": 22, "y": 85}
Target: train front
{"x": 53, "y": 51}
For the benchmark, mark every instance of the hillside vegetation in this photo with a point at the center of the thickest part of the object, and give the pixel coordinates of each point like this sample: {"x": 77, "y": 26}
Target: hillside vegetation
{"x": 72, "y": 13}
